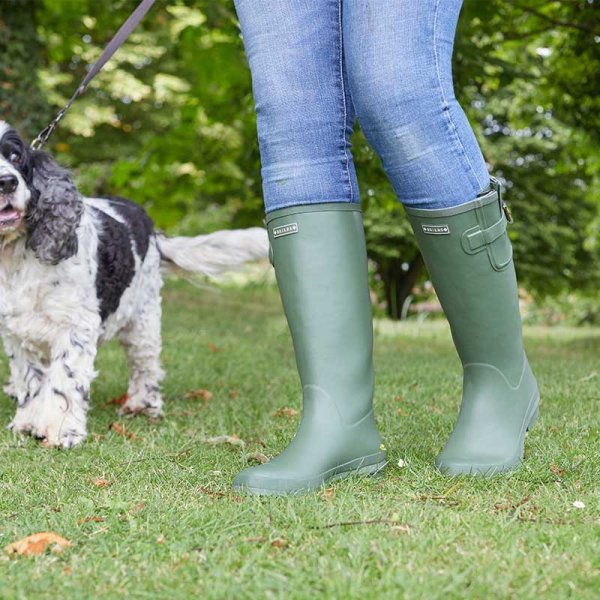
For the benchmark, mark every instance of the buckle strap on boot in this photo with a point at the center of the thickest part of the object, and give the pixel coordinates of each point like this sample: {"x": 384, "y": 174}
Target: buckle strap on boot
{"x": 475, "y": 239}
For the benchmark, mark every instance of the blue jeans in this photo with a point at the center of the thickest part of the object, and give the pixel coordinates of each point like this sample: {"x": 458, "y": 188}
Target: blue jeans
{"x": 318, "y": 64}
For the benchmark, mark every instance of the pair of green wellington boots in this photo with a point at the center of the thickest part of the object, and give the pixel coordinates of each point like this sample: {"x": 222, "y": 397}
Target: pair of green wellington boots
{"x": 320, "y": 261}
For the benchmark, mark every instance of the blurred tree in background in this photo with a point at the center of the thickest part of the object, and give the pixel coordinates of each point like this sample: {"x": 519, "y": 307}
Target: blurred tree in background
{"x": 21, "y": 100}
{"x": 170, "y": 122}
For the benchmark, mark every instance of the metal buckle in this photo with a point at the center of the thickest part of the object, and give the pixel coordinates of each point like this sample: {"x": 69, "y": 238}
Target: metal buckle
{"x": 503, "y": 204}
{"x": 507, "y": 212}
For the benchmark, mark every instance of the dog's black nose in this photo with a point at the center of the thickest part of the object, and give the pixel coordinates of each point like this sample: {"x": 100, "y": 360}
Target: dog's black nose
{"x": 8, "y": 184}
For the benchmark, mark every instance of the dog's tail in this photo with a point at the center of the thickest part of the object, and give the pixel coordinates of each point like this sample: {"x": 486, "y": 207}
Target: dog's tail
{"x": 214, "y": 253}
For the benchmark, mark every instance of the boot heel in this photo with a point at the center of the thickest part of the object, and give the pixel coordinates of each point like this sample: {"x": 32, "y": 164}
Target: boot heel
{"x": 375, "y": 470}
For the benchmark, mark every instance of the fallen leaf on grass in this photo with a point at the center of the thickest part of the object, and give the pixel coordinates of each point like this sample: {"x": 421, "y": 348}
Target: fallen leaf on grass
{"x": 327, "y": 494}
{"x": 288, "y": 413}
{"x": 280, "y": 543}
{"x": 213, "y": 348}
{"x": 38, "y": 543}
{"x": 509, "y": 505}
{"x": 232, "y": 440}
{"x": 557, "y": 470}
{"x": 529, "y": 513}
{"x": 522, "y": 510}
{"x": 101, "y": 482}
{"x": 137, "y": 508}
{"x": 98, "y": 436}
{"x": 257, "y": 457}
{"x": 233, "y": 394}
{"x": 119, "y": 400}
{"x": 205, "y": 395}
{"x": 121, "y": 430}
{"x": 210, "y": 493}
{"x": 254, "y": 540}
{"x": 92, "y": 519}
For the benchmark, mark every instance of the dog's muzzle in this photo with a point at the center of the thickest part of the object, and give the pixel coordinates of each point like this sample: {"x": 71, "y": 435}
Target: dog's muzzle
{"x": 10, "y": 217}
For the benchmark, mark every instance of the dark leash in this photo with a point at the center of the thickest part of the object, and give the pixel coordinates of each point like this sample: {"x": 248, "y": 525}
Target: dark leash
{"x": 117, "y": 41}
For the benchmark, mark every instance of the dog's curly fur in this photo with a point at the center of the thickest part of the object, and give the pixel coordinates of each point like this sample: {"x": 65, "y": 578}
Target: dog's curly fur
{"x": 75, "y": 272}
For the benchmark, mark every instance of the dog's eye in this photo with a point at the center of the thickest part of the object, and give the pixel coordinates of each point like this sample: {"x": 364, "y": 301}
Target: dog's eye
{"x": 15, "y": 158}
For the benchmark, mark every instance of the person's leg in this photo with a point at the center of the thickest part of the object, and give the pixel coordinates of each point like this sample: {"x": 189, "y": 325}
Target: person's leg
{"x": 317, "y": 240}
{"x": 398, "y": 56}
{"x": 304, "y": 114}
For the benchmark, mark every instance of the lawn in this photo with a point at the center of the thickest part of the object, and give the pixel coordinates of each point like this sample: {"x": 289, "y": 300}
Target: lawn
{"x": 150, "y": 512}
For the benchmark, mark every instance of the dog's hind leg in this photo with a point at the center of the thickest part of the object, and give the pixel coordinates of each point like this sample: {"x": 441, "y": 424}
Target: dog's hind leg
{"x": 142, "y": 341}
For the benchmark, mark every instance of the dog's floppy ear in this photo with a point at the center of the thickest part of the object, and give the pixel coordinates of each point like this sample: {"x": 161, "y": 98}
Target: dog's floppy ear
{"x": 53, "y": 212}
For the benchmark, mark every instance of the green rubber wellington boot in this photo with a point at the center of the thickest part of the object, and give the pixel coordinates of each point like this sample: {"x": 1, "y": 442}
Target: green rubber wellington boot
{"x": 469, "y": 258}
{"x": 320, "y": 261}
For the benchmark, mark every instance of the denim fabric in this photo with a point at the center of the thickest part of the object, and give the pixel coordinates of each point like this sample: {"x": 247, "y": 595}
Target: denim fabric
{"x": 318, "y": 64}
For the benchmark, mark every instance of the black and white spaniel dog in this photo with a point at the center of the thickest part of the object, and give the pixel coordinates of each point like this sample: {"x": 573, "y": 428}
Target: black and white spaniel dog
{"x": 75, "y": 272}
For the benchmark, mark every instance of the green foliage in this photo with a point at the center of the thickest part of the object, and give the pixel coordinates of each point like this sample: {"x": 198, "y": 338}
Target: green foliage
{"x": 171, "y": 116}
{"x": 516, "y": 64}
{"x": 170, "y": 121}
{"x": 20, "y": 58}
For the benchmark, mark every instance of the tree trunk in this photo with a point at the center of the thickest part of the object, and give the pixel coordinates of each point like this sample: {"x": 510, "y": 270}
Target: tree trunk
{"x": 21, "y": 102}
{"x": 399, "y": 284}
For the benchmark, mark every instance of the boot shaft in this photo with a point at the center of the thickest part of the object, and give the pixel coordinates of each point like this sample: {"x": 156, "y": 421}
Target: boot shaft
{"x": 469, "y": 256}
{"x": 320, "y": 261}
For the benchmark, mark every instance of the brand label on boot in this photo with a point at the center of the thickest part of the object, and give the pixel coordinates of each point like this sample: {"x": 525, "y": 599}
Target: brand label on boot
{"x": 436, "y": 229}
{"x": 285, "y": 230}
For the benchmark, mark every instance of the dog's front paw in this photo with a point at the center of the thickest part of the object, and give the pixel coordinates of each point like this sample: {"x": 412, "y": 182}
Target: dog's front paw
{"x": 23, "y": 421}
{"x": 59, "y": 430}
{"x": 150, "y": 404}
{"x": 71, "y": 438}
{"x": 21, "y": 427}
{"x": 64, "y": 437}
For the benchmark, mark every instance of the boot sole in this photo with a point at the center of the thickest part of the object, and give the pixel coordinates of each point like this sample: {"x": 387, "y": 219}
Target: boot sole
{"x": 371, "y": 465}
{"x": 497, "y": 469}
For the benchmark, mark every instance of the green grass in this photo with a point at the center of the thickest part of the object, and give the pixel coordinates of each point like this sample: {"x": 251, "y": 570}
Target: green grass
{"x": 173, "y": 528}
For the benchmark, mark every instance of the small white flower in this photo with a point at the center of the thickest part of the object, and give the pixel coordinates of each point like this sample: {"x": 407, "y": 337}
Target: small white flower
{"x": 401, "y": 463}
{"x": 578, "y": 504}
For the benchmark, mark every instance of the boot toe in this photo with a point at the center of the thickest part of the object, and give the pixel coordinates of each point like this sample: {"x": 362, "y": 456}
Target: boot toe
{"x": 475, "y": 465}
{"x": 257, "y": 480}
